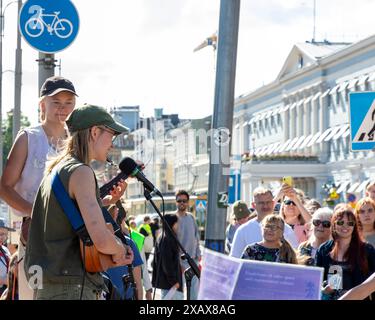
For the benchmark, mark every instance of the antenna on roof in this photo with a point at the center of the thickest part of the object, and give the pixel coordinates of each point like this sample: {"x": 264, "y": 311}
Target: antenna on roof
{"x": 313, "y": 38}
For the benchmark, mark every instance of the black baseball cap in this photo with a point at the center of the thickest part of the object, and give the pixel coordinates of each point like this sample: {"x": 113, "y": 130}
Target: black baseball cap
{"x": 56, "y": 84}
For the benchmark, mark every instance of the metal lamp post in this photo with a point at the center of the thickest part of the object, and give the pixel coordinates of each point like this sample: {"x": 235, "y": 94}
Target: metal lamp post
{"x": 2, "y": 12}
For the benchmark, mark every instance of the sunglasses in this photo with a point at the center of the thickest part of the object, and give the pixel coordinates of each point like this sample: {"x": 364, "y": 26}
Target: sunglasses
{"x": 324, "y": 223}
{"x": 289, "y": 202}
{"x": 342, "y": 222}
{"x": 183, "y": 201}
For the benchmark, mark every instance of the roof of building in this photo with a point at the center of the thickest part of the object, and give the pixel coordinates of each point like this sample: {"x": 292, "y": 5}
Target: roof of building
{"x": 308, "y": 53}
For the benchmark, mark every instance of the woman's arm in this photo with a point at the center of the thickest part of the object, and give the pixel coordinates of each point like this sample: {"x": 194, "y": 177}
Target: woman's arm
{"x": 82, "y": 188}
{"x": 137, "y": 273}
{"x": 361, "y": 291}
{"x": 12, "y": 173}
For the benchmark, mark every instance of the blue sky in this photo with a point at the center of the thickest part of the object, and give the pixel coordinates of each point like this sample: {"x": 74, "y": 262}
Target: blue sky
{"x": 141, "y": 52}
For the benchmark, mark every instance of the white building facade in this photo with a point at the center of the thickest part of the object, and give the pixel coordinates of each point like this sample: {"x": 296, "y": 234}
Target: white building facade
{"x": 298, "y": 125}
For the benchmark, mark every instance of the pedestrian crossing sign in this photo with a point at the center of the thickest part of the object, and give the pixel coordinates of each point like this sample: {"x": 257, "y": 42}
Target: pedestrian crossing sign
{"x": 362, "y": 120}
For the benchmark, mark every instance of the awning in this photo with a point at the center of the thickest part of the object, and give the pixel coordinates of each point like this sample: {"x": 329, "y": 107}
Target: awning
{"x": 262, "y": 150}
{"x": 346, "y": 133}
{"x": 306, "y": 141}
{"x": 363, "y": 185}
{"x": 283, "y": 146}
{"x": 252, "y": 120}
{"x": 277, "y": 149}
{"x": 317, "y": 95}
{"x": 334, "y": 89}
{"x": 285, "y": 108}
{"x": 262, "y": 116}
{"x": 362, "y": 80}
{"x": 326, "y": 93}
{"x": 256, "y": 118}
{"x": 293, "y": 105}
{"x": 343, "y": 86}
{"x": 323, "y": 135}
{"x": 313, "y": 139}
{"x": 341, "y": 131}
{"x": 275, "y": 111}
{"x": 298, "y": 143}
{"x": 291, "y": 144}
{"x": 268, "y": 114}
{"x": 308, "y": 99}
{"x": 267, "y": 151}
{"x": 343, "y": 186}
{"x": 333, "y": 132}
{"x": 354, "y": 187}
{"x": 274, "y": 146}
{"x": 371, "y": 76}
{"x": 237, "y": 126}
{"x": 352, "y": 83}
{"x": 245, "y": 124}
{"x": 300, "y": 102}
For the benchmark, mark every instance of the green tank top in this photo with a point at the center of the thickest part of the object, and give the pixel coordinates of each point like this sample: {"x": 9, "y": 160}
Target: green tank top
{"x": 52, "y": 243}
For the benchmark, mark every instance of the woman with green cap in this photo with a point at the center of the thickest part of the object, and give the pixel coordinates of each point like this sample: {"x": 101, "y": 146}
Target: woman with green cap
{"x": 53, "y": 245}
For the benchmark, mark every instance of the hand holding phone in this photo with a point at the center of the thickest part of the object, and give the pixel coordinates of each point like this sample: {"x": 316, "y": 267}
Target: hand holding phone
{"x": 288, "y": 180}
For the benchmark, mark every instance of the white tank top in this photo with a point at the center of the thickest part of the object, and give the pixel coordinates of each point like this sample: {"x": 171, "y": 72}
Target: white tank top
{"x": 39, "y": 150}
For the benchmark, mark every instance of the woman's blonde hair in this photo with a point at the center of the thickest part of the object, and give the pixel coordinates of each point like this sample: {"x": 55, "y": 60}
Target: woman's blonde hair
{"x": 42, "y": 113}
{"x": 286, "y": 252}
{"x": 77, "y": 146}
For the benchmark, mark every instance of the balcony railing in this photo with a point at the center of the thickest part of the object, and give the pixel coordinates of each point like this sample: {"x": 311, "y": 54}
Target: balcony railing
{"x": 246, "y": 157}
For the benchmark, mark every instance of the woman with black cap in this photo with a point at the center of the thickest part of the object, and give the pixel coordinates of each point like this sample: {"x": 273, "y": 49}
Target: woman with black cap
{"x": 26, "y": 161}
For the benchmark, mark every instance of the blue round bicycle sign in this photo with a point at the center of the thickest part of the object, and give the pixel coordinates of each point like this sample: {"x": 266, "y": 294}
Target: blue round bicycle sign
{"x": 49, "y": 25}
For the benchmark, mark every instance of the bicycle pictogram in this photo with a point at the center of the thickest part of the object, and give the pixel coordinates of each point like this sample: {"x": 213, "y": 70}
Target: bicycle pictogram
{"x": 35, "y": 26}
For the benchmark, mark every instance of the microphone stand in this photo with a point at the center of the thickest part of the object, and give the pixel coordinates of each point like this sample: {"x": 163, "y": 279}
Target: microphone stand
{"x": 193, "y": 270}
{"x": 128, "y": 281}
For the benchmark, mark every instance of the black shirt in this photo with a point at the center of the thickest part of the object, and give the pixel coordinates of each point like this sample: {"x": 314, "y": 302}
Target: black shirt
{"x": 350, "y": 278}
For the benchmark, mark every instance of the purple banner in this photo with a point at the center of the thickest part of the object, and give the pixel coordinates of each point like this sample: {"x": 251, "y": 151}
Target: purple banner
{"x": 228, "y": 278}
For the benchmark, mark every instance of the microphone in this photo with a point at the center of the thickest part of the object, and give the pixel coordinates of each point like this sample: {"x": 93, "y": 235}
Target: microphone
{"x": 106, "y": 188}
{"x": 130, "y": 168}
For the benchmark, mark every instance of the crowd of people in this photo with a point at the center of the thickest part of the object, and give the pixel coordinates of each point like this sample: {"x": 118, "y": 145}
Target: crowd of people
{"x": 341, "y": 241}
{"x": 75, "y": 244}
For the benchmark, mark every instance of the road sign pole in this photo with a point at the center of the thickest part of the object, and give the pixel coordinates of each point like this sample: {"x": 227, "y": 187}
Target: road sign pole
{"x": 17, "y": 82}
{"x": 46, "y": 69}
{"x": 222, "y": 118}
{"x": 46, "y": 64}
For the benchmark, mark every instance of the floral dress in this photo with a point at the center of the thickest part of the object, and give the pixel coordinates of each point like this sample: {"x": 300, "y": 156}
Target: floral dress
{"x": 258, "y": 252}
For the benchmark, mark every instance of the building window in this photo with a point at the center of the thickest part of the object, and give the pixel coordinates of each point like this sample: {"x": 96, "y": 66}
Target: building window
{"x": 300, "y": 62}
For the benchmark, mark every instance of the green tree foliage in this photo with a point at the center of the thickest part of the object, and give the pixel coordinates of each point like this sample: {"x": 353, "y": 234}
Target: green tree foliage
{"x": 8, "y": 132}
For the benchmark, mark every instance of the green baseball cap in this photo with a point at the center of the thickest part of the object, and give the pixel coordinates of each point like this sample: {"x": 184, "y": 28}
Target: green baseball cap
{"x": 240, "y": 209}
{"x": 87, "y": 116}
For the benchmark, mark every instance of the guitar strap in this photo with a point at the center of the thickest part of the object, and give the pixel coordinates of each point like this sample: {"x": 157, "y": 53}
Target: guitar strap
{"x": 74, "y": 216}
